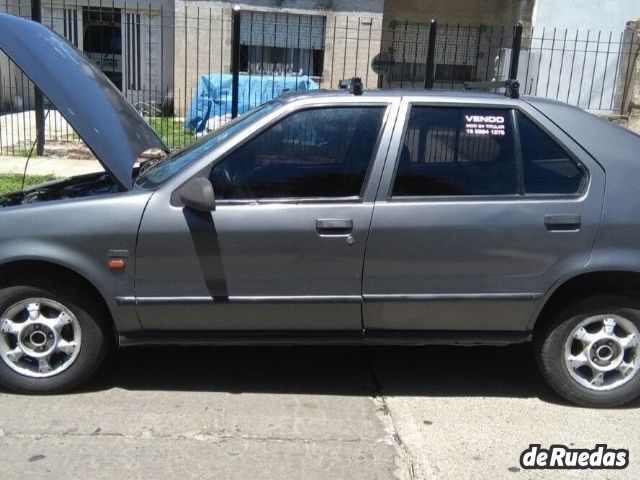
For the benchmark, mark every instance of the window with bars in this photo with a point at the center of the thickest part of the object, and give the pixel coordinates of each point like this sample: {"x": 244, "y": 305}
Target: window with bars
{"x": 282, "y": 43}
{"x": 456, "y": 52}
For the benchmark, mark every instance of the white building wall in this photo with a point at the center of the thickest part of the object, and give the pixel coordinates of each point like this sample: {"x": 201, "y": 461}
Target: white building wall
{"x": 607, "y": 15}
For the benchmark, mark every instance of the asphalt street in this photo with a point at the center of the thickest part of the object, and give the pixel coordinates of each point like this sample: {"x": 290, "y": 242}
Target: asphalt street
{"x": 306, "y": 413}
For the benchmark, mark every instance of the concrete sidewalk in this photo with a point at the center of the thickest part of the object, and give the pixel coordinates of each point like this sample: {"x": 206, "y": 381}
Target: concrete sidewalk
{"x": 58, "y": 167}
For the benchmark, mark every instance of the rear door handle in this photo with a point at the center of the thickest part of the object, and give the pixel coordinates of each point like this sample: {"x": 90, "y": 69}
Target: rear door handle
{"x": 556, "y": 223}
{"x": 334, "y": 226}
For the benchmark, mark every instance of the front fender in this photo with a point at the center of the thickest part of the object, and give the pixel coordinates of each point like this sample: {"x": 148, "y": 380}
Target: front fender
{"x": 79, "y": 234}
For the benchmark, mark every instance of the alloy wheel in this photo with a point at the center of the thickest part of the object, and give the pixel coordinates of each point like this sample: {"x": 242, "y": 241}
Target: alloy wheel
{"x": 39, "y": 337}
{"x": 601, "y": 353}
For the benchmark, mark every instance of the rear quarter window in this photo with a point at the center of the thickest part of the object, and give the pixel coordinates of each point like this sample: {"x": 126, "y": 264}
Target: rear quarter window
{"x": 548, "y": 168}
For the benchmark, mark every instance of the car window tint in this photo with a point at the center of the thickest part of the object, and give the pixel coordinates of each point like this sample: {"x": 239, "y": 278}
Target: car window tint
{"x": 321, "y": 152}
{"x": 547, "y": 167}
{"x": 456, "y": 151}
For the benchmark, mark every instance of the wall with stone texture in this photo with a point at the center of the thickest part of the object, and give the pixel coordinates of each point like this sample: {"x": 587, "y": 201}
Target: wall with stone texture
{"x": 633, "y": 107}
{"x": 628, "y": 84}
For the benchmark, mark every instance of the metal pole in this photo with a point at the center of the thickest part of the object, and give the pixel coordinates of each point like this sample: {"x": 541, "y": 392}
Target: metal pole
{"x": 36, "y": 16}
{"x": 431, "y": 50}
{"x": 515, "y": 52}
{"x": 235, "y": 61}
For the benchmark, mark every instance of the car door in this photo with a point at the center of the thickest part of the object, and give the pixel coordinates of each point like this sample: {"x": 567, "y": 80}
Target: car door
{"x": 474, "y": 223}
{"x": 284, "y": 248}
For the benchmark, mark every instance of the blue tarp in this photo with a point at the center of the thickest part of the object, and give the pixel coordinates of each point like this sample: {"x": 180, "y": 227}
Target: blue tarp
{"x": 213, "y": 96}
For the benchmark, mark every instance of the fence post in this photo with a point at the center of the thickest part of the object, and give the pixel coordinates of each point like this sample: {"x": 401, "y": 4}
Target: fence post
{"x": 235, "y": 61}
{"x": 431, "y": 50}
{"x": 36, "y": 16}
{"x": 515, "y": 52}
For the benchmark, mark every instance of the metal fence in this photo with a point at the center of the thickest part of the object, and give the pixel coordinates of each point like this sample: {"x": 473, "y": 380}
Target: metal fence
{"x": 190, "y": 69}
{"x": 590, "y": 69}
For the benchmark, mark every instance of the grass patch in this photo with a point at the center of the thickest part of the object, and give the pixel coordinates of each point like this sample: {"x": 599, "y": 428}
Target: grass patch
{"x": 16, "y": 151}
{"x": 22, "y": 153}
{"x": 172, "y": 132}
{"x": 13, "y": 182}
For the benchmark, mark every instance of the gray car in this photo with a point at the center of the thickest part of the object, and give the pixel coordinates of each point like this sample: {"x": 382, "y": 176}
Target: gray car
{"x": 391, "y": 217}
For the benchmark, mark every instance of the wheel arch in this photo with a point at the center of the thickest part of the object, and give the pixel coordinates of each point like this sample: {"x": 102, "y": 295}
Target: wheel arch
{"x": 584, "y": 284}
{"x": 34, "y": 270}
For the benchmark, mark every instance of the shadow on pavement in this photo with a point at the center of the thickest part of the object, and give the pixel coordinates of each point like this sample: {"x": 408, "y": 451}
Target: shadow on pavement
{"x": 425, "y": 371}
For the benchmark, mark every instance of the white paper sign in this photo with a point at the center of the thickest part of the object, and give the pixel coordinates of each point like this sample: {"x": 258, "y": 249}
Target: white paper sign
{"x": 484, "y": 125}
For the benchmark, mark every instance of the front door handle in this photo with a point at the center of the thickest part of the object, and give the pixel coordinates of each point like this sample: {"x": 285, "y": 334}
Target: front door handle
{"x": 561, "y": 222}
{"x": 334, "y": 226}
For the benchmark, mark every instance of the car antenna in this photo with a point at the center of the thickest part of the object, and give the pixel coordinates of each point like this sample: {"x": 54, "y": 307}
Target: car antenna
{"x": 26, "y": 164}
{"x": 512, "y": 87}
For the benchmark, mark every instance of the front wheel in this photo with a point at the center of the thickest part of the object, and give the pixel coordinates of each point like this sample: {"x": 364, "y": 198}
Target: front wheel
{"x": 589, "y": 352}
{"x": 51, "y": 339}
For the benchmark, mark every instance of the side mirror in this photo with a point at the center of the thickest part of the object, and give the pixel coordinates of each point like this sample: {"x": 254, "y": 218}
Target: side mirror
{"x": 198, "y": 194}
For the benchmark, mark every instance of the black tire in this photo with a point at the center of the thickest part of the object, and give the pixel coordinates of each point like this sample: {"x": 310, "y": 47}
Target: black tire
{"x": 96, "y": 338}
{"x": 550, "y": 342}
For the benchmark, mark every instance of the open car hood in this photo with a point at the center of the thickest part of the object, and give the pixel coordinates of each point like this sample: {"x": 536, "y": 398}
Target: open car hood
{"x": 87, "y": 99}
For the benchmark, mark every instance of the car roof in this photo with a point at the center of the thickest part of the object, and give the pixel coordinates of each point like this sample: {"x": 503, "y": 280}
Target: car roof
{"x": 389, "y": 93}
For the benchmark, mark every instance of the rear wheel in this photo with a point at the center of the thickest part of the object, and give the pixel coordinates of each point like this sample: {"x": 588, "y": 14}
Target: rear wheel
{"x": 51, "y": 338}
{"x": 589, "y": 352}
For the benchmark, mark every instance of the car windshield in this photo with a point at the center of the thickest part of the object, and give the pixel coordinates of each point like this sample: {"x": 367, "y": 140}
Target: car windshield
{"x": 161, "y": 171}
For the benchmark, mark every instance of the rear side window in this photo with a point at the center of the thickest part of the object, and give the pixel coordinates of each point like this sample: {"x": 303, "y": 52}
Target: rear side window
{"x": 457, "y": 151}
{"x": 320, "y": 152}
{"x": 547, "y": 166}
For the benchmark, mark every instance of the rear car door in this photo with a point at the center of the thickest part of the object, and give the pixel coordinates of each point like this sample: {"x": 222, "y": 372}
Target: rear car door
{"x": 284, "y": 248}
{"x": 473, "y": 223}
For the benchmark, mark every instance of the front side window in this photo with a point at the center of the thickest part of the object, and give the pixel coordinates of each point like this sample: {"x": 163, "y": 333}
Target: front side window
{"x": 547, "y": 167}
{"x": 315, "y": 153}
{"x": 455, "y": 152}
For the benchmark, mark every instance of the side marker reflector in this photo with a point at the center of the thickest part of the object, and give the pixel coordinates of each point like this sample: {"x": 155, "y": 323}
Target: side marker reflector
{"x": 116, "y": 264}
